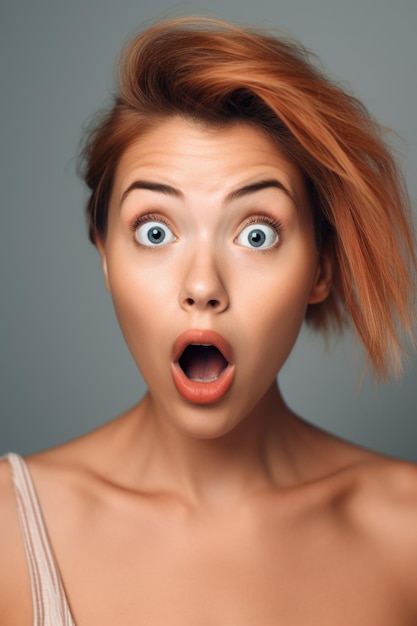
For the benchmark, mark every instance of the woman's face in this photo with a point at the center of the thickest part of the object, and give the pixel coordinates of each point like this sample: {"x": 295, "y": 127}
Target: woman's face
{"x": 211, "y": 262}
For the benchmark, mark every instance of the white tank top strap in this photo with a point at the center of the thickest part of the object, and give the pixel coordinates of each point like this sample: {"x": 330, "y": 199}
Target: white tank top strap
{"x": 50, "y": 605}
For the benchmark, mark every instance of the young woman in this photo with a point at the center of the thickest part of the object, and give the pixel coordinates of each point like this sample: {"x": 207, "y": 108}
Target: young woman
{"x": 235, "y": 193}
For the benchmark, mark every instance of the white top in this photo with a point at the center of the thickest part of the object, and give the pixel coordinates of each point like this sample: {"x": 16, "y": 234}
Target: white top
{"x": 50, "y": 604}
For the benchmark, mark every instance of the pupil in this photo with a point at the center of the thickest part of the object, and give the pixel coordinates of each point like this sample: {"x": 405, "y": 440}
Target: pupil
{"x": 156, "y": 235}
{"x": 257, "y": 237}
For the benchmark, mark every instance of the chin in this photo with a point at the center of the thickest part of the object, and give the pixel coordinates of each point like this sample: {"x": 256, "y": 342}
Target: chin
{"x": 204, "y": 421}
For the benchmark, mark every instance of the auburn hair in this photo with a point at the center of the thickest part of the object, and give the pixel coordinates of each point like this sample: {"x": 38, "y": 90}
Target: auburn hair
{"x": 218, "y": 73}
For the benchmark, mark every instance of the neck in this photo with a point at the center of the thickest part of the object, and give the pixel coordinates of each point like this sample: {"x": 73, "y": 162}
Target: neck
{"x": 254, "y": 455}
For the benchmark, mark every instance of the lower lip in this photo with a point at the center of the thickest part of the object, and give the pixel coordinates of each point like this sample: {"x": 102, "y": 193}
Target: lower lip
{"x": 202, "y": 393}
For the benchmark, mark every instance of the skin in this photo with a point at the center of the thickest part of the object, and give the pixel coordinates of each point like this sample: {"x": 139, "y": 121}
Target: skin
{"x": 236, "y": 511}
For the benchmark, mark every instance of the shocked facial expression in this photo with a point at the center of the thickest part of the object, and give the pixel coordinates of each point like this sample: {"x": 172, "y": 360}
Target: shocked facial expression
{"x": 211, "y": 262}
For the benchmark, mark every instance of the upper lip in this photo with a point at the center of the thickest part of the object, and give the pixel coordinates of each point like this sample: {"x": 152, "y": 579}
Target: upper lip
{"x": 202, "y": 337}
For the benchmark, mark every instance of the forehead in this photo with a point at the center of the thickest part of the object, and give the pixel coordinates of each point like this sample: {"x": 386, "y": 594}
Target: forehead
{"x": 192, "y": 156}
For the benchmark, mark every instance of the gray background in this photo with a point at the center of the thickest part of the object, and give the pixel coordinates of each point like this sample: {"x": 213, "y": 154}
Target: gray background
{"x": 64, "y": 366}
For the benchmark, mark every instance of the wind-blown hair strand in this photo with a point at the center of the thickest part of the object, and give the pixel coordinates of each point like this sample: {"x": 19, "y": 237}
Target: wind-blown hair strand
{"x": 220, "y": 74}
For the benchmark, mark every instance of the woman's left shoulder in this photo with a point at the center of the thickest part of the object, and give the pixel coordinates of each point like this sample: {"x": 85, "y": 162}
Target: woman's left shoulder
{"x": 388, "y": 484}
{"x": 383, "y": 506}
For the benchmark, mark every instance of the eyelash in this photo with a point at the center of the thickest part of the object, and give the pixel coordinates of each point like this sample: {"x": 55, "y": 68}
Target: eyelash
{"x": 264, "y": 219}
{"x": 255, "y": 219}
{"x": 149, "y": 217}
{"x": 273, "y": 222}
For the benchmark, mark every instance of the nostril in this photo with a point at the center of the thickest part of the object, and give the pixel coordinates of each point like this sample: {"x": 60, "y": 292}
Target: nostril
{"x": 213, "y": 303}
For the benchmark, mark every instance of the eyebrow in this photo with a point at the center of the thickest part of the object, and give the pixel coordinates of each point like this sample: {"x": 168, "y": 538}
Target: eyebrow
{"x": 151, "y": 186}
{"x": 168, "y": 190}
{"x": 258, "y": 186}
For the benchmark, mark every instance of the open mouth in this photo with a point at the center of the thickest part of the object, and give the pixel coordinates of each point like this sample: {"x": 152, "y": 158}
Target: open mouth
{"x": 202, "y": 363}
{"x": 202, "y": 366}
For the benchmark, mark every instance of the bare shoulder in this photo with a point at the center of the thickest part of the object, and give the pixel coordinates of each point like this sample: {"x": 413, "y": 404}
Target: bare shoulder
{"x": 383, "y": 508}
{"x": 15, "y": 596}
{"x": 371, "y": 482}
{"x": 373, "y": 498}
{"x": 386, "y": 489}
{"x": 379, "y": 493}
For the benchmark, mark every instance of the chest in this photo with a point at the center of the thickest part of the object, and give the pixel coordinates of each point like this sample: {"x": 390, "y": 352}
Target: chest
{"x": 269, "y": 573}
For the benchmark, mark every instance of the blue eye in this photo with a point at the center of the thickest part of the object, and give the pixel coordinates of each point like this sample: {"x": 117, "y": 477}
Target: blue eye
{"x": 152, "y": 234}
{"x": 258, "y": 236}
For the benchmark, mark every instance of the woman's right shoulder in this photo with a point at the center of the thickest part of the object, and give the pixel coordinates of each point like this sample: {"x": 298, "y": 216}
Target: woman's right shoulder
{"x": 15, "y": 593}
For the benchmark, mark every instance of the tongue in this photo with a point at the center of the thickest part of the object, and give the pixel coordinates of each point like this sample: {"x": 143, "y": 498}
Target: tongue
{"x": 202, "y": 363}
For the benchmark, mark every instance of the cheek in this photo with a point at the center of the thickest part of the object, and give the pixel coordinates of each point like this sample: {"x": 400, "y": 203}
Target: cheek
{"x": 137, "y": 296}
{"x": 137, "y": 281}
{"x": 277, "y": 320}
{"x": 143, "y": 326}
{"x": 274, "y": 311}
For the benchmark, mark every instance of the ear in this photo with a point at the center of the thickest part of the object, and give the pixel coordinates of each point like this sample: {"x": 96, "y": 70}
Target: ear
{"x": 102, "y": 251}
{"x": 323, "y": 280}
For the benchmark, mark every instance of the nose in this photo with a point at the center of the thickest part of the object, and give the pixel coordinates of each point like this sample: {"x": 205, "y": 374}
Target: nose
{"x": 203, "y": 288}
